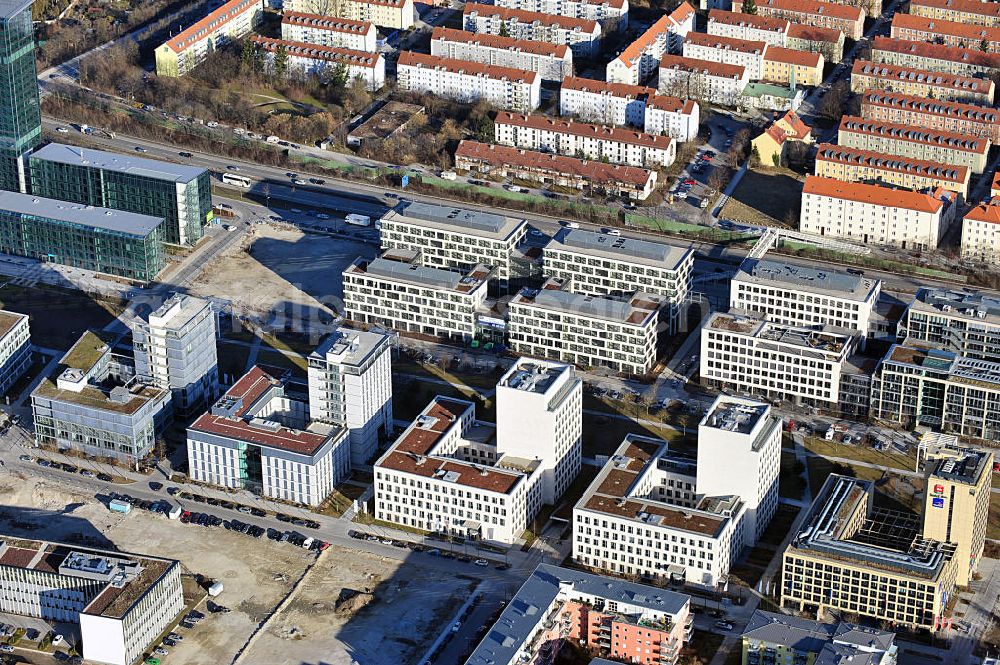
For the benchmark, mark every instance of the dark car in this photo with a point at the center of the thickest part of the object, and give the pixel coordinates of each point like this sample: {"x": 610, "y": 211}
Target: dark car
{"x": 155, "y": 486}
{"x": 185, "y": 154}
{"x": 284, "y": 518}
{"x": 258, "y": 512}
{"x": 317, "y": 181}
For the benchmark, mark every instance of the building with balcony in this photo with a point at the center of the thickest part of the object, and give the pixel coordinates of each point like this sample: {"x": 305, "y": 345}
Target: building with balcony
{"x": 504, "y": 87}
{"x": 389, "y": 14}
{"x": 916, "y": 142}
{"x": 727, "y": 50}
{"x": 121, "y": 603}
{"x": 187, "y": 49}
{"x": 260, "y": 437}
{"x": 611, "y": 14}
{"x": 848, "y": 18}
{"x": 623, "y": 620}
{"x": 955, "y": 117}
{"x": 304, "y": 61}
{"x": 969, "y": 61}
{"x": 329, "y": 31}
{"x": 705, "y": 80}
{"x": 617, "y": 104}
{"x": 552, "y": 62}
{"x": 751, "y": 27}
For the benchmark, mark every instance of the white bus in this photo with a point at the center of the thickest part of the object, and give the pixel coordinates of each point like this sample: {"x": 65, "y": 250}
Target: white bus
{"x": 358, "y": 220}
{"x": 238, "y": 180}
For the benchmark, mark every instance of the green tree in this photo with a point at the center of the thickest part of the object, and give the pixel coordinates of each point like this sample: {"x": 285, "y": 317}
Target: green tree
{"x": 338, "y": 78}
{"x": 749, "y": 7}
{"x": 485, "y": 130}
{"x": 503, "y": 30}
{"x": 280, "y": 61}
{"x": 984, "y": 46}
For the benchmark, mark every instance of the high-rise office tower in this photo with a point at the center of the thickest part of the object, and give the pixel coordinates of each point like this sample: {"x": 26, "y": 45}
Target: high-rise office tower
{"x": 20, "y": 116}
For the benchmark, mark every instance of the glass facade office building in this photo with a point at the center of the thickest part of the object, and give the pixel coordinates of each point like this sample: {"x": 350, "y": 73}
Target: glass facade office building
{"x": 108, "y": 241}
{"x": 182, "y": 195}
{"x": 20, "y": 117}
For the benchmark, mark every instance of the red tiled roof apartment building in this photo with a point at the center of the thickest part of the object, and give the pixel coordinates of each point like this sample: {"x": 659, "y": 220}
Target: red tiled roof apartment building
{"x": 934, "y": 57}
{"x": 872, "y": 214}
{"x": 504, "y": 87}
{"x": 949, "y": 33}
{"x": 704, "y": 80}
{"x": 848, "y": 19}
{"x": 329, "y": 31}
{"x": 866, "y": 75}
{"x": 392, "y": 14}
{"x": 621, "y": 104}
{"x": 728, "y": 51}
{"x": 617, "y": 145}
{"x": 925, "y": 112}
{"x": 915, "y": 142}
{"x": 637, "y": 62}
{"x": 748, "y": 26}
{"x": 826, "y": 41}
{"x": 612, "y": 179}
{"x": 786, "y": 66}
{"x": 305, "y": 60}
{"x": 187, "y": 49}
{"x": 581, "y": 35}
{"x": 973, "y": 12}
{"x": 611, "y": 14}
{"x": 871, "y": 167}
{"x": 553, "y": 62}
{"x": 981, "y": 233}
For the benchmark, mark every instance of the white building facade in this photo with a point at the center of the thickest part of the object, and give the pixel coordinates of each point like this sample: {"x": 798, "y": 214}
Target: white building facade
{"x": 329, "y": 31}
{"x": 304, "y": 61}
{"x": 553, "y": 62}
{"x": 727, "y": 50}
{"x": 15, "y": 348}
{"x": 611, "y": 14}
{"x": 512, "y": 89}
{"x": 749, "y": 27}
{"x": 640, "y": 59}
{"x": 582, "y": 36}
{"x": 617, "y": 104}
{"x": 704, "y": 80}
{"x": 981, "y": 234}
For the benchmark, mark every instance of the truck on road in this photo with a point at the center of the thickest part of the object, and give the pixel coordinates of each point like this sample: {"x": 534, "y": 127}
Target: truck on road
{"x": 358, "y": 220}
{"x": 119, "y": 506}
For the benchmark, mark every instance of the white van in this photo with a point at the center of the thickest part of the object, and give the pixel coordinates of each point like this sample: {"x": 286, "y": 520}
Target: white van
{"x": 449, "y": 175}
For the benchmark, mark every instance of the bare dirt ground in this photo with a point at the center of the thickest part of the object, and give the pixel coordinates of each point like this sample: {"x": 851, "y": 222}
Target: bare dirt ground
{"x": 286, "y": 272}
{"x": 407, "y": 608}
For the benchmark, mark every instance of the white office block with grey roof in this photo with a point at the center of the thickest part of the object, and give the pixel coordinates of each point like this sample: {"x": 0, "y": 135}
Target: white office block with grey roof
{"x": 458, "y": 238}
{"x": 95, "y": 403}
{"x": 180, "y": 194}
{"x": 395, "y": 291}
{"x": 802, "y": 296}
{"x": 739, "y": 452}
{"x": 966, "y": 322}
{"x": 539, "y": 409}
{"x": 175, "y": 346}
{"x": 15, "y": 348}
{"x": 603, "y": 264}
{"x": 588, "y": 331}
{"x": 350, "y": 385}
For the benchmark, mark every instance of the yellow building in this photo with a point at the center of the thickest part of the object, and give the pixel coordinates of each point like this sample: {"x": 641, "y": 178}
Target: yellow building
{"x": 186, "y": 50}
{"x": 772, "y": 144}
{"x": 850, "y": 556}
{"x": 957, "y": 503}
{"x": 785, "y": 66}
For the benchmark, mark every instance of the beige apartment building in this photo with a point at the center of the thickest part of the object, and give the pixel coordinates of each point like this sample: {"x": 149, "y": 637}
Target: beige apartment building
{"x": 954, "y": 117}
{"x": 827, "y": 41}
{"x": 850, "y": 556}
{"x": 867, "y": 75}
{"x": 935, "y": 57}
{"x": 187, "y": 49}
{"x": 874, "y": 168}
{"x": 923, "y": 29}
{"x": 981, "y": 234}
{"x": 918, "y": 143}
{"x": 785, "y": 66}
{"x": 973, "y": 12}
{"x": 394, "y": 14}
{"x": 848, "y": 19}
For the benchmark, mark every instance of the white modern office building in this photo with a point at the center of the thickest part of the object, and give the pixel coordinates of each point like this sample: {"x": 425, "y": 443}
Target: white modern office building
{"x": 591, "y": 331}
{"x": 450, "y": 472}
{"x": 96, "y": 404}
{"x": 396, "y": 291}
{"x": 459, "y": 238}
{"x": 871, "y": 214}
{"x": 260, "y": 438}
{"x": 966, "y": 322}
{"x": 175, "y": 346}
{"x": 504, "y": 87}
{"x": 552, "y": 62}
{"x": 804, "y": 296}
{"x": 776, "y": 361}
{"x": 15, "y": 348}
{"x": 329, "y": 31}
{"x": 122, "y": 602}
{"x": 616, "y": 145}
{"x": 582, "y": 36}
{"x": 350, "y": 385}
{"x": 714, "y": 82}
{"x": 606, "y": 265}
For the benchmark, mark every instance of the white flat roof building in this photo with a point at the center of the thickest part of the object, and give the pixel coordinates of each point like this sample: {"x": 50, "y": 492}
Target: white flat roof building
{"x": 329, "y": 31}
{"x": 464, "y": 81}
{"x": 257, "y": 437}
{"x": 15, "y": 348}
{"x": 450, "y": 237}
{"x": 803, "y": 296}
{"x": 871, "y": 214}
{"x": 590, "y": 331}
{"x": 739, "y": 452}
{"x": 553, "y": 62}
{"x": 350, "y": 385}
{"x": 966, "y": 322}
{"x": 175, "y": 346}
{"x": 778, "y": 361}
{"x": 616, "y": 145}
{"x": 583, "y": 36}
{"x": 396, "y": 291}
{"x": 122, "y": 602}
{"x": 602, "y": 264}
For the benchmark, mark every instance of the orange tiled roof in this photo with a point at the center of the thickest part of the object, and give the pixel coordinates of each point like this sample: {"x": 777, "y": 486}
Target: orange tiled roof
{"x": 710, "y": 67}
{"x": 327, "y": 23}
{"x": 215, "y": 20}
{"x": 592, "y": 170}
{"x": 600, "y": 132}
{"x": 911, "y": 74}
{"x": 751, "y": 20}
{"x": 800, "y": 128}
{"x": 318, "y": 52}
{"x": 725, "y": 43}
{"x": 471, "y": 68}
{"x": 814, "y": 33}
{"x": 967, "y": 6}
{"x": 829, "y": 152}
{"x": 673, "y": 104}
{"x": 984, "y": 213}
{"x": 905, "y": 132}
{"x": 938, "y": 52}
{"x": 974, "y": 33}
{"x": 874, "y": 194}
{"x": 595, "y": 86}
{"x": 498, "y": 42}
{"x": 971, "y": 112}
{"x": 834, "y": 9}
{"x": 524, "y": 16}
{"x": 791, "y": 56}
{"x": 645, "y": 40}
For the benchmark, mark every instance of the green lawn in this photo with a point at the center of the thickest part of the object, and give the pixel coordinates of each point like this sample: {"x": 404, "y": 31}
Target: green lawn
{"x": 861, "y": 453}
